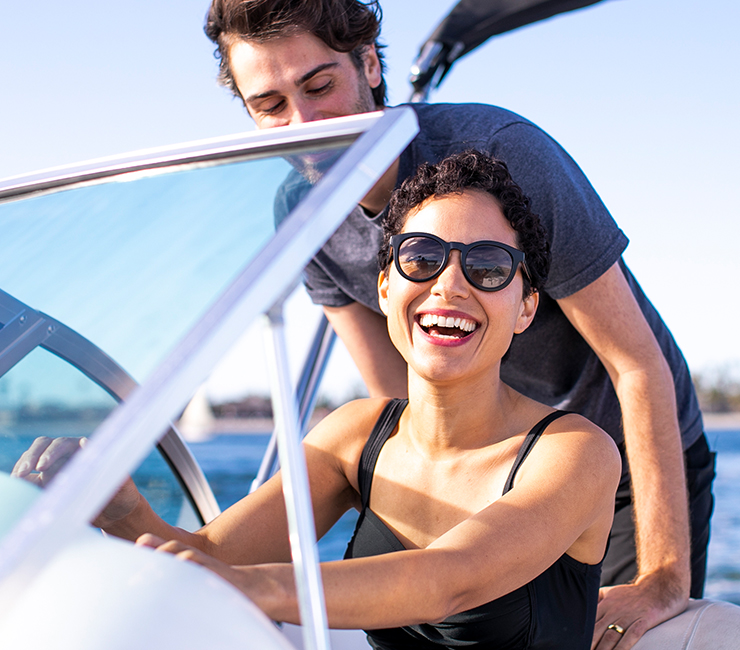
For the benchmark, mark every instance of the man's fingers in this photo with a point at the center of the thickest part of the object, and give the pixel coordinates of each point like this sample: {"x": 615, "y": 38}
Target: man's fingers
{"x": 618, "y": 637}
{"x": 626, "y": 612}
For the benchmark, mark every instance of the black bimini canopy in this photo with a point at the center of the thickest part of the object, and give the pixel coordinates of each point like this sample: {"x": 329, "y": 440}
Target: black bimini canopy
{"x": 472, "y": 22}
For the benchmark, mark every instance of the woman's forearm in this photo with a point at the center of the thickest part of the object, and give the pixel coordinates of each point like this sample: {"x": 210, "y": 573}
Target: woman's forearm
{"x": 142, "y": 519}
{"x": 361, "y": 593}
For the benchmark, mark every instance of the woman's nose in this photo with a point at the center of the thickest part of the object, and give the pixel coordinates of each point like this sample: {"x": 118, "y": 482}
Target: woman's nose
{"x": 452, "y": 282}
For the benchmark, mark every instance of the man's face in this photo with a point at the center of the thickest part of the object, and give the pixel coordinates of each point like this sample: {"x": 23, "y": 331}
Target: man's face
{"x": 298, "y": 78}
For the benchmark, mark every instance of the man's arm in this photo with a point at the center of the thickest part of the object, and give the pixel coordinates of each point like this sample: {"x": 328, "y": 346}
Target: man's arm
{"x": 608, "y": 317}
{"x": 365, "y": 335}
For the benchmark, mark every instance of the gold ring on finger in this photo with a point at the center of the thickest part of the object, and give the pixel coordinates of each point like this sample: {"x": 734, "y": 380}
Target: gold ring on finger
{"x": 617, "y": 628}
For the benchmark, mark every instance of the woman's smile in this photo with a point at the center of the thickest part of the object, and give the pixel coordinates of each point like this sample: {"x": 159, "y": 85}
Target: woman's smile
{"x": 443, "y": 327}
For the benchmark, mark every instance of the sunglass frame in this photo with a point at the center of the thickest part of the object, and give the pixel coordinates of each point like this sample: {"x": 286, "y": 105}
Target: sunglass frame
{"x": 517, "y": 257}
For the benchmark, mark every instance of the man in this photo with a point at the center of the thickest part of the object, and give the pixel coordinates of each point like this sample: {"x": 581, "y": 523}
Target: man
{"x": 597, "y": 346}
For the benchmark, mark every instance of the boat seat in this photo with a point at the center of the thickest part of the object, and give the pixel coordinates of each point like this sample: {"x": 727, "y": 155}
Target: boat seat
{"x": 705, "y": 625}
{"x": 339, "y": 639}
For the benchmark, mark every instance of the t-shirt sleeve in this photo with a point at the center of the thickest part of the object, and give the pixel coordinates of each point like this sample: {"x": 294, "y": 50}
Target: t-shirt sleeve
{"x": 585, "y": 240}
{"x": 321, "y": 288}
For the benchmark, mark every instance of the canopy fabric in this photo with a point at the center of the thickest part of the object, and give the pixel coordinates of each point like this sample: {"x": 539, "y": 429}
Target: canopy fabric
{"x": 469, "y": 24}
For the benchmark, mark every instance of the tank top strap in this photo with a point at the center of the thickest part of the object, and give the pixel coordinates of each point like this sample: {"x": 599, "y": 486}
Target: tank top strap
{"x": 384, "y": 427}
{"x": 529, "y": 442}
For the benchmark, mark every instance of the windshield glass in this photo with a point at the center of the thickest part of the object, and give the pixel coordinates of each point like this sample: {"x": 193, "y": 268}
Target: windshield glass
{"x": 131, "y": 265}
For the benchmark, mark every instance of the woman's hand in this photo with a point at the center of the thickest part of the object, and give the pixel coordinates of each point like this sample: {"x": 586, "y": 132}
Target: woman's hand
{"x": 46, "y": 456}
{"x": 184, "y": 552}
{"x": 269, "y": 586}
{"x": 237, "y": 576}
{"x": 120, "y": 506}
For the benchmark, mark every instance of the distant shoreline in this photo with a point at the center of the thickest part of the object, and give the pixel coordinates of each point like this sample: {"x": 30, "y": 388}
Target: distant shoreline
{"x": 721, "y": 421}
{"x": 263, "y": 426}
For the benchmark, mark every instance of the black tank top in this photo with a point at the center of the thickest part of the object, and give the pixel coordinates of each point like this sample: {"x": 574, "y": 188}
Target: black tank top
{"x": 556, "y": 611}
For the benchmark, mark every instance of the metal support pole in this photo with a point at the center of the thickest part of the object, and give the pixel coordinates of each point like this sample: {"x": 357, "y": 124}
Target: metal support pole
{"x": 301, "y": 527}
{"x": 306, "y": 394}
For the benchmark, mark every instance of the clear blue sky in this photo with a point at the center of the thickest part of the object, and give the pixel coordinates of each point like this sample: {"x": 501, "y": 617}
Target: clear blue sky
{"x": 645, "y": 94}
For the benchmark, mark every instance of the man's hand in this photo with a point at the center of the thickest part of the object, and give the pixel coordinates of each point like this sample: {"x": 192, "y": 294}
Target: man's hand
{"x": 635, "y": 608}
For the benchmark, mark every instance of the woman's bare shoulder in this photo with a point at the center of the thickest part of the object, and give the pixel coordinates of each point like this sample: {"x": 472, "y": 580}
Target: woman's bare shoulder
{"x": 341, "y": 436}
{"x": 578, "y": 425}
{"x": 575, "y": 437}
{"x": 349, "y": 424}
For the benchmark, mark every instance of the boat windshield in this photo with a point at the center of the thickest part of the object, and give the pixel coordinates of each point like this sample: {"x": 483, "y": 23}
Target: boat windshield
{"x": 146, "y": 270}
{"x": 131, "y": 264}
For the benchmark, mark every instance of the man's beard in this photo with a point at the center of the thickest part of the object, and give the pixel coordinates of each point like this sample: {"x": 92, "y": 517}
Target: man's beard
{"x": 313, "y": 166}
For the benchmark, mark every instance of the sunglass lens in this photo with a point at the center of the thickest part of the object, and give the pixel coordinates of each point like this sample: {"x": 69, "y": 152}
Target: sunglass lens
{"x": 488, "y": 267}
{"x": 420, "y": 257}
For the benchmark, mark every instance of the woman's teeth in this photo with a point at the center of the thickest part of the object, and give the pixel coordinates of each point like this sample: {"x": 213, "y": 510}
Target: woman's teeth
{"x": 432, "y": 320}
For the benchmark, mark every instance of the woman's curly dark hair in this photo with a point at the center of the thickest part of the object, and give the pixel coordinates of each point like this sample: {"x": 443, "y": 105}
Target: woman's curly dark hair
{"x": 344, "y": 25}
{"x": 472, "y": 170}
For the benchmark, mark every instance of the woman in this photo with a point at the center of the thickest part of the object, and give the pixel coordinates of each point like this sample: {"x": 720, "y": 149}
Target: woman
{"x": 489, "y": 513}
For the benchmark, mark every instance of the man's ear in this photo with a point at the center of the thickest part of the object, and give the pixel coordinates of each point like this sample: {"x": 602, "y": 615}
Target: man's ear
{"x": 371, "y": 66}
{"x": 527, "y": 312}
{"x": 383, "y": 292}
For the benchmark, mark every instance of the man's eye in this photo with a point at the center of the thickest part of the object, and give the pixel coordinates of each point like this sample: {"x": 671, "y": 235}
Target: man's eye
{"x": 321, "y": 89}
{"x": 271, "y": 109}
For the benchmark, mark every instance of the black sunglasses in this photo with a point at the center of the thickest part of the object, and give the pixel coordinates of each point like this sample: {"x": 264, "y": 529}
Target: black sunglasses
{"x": 487, "y": 265}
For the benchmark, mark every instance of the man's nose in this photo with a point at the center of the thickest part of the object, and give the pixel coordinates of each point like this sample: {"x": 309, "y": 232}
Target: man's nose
{"x": 304, "y": 112}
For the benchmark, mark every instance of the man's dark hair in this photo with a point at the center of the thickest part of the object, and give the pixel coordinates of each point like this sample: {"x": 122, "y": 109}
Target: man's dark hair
{"x": 343, "y": 25}
{"x": 477, "y": 171}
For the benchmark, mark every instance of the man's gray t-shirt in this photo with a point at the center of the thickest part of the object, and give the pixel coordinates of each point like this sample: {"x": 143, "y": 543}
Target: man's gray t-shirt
{"x": 550, "y": 361}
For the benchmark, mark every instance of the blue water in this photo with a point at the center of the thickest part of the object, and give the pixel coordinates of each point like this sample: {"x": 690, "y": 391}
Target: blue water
{"x": 723, "y": 574}
{"x": 231, "y": 461}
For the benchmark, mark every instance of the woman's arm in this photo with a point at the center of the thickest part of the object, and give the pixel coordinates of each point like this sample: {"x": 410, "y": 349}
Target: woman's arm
{"x": 562, "y": 502}
{"x": 255, "y": 530}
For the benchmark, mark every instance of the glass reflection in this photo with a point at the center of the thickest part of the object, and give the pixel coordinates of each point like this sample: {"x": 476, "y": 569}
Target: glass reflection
{"x": 131, "y": 265}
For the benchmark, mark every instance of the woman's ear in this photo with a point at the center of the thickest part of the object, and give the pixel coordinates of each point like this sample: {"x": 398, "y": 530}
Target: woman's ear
{"x": 383, "y": 292}
{"x": 527, "y": 311}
